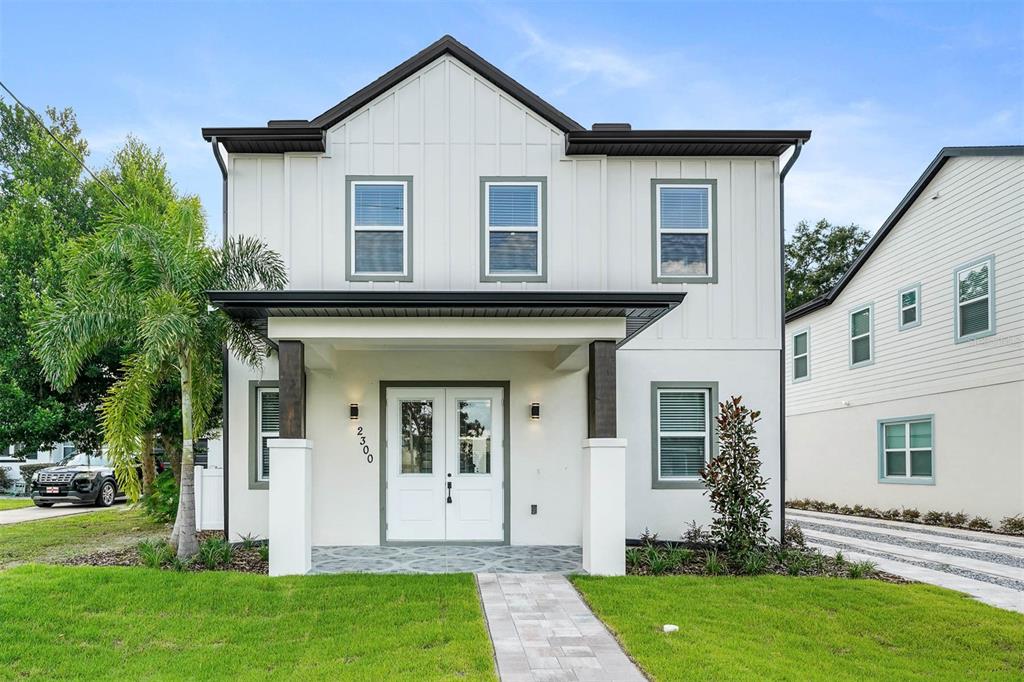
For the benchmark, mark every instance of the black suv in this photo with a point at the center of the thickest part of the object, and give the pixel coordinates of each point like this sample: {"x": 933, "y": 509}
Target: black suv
{"x": 79, "y": 479}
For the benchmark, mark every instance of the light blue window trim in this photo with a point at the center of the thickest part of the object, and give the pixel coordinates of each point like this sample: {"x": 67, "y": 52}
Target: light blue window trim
{"x": 859, "y": 338}
{"x": 907, "y": 309}
{"x": 974, "y": 300}
{"x": 513, "y": 229}
{"x": 800, "y": 360}
{"x": 684, "y": 230}
{"x": 913, "y": 453}
{"x": 378, "y": 228}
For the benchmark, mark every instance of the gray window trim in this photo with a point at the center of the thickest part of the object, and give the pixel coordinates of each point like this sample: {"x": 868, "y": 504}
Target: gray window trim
{"x": 542, "y": 240}
{"x": 254, "y": 436}
{"x": 352, "y": 276}
{"x": 904, "y": 480}
{"x": 870, "y": 307}
{"x": 658, "y": 483}
{"x": 792, "y": 355}
{"x": 991, "y": 262}
{"x": 917, "y": 304}
{"x": 712, "y": 276}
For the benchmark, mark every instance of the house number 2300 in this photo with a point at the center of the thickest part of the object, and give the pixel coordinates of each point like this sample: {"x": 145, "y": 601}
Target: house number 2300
{"x": 363, "y": 445}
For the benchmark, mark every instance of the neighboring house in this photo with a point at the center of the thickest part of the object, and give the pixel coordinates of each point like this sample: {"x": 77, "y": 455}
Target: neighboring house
{"x": 501, "y": 327}
{"x": 16, "y": 458}
{"x": 905, "y": 382}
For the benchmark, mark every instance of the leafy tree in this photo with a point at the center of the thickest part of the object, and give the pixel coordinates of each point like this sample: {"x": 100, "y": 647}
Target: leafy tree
{"x": 142, "y": 277}
{"x": 816, "y": 257}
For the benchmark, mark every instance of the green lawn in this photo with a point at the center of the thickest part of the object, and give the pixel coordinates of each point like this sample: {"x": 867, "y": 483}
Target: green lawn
{"x": 133, "y": 623}
{"x": 14, "y": 502}
{"x": 67, "y": 536}
{"x": 781, "y": 628}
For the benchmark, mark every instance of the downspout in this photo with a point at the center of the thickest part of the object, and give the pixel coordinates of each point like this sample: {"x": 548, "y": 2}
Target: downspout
{"x": 798, "y": 145}
{"x": 225, "y": 455}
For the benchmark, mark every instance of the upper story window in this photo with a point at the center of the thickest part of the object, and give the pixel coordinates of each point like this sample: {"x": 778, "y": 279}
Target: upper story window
{"x": 861, "y": 336}
{"x": 512, "y": 236}
{"x": 974, "y": 284}
{"x": 684, "y": 235}
{"x": 909, "y": 302}
{"x": 683, "y": 432}
{"x": 379, "y": 228}
{"x": 801, "y": 355}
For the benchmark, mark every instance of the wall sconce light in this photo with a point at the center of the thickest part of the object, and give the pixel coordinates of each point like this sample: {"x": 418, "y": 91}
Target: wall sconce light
{"x": 535, "y": 411}
{"x": 353, "y": 411}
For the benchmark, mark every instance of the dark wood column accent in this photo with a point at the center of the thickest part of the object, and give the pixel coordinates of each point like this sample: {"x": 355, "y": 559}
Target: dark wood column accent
{"x": 291, "y": 375}
{"x": 601, "y": 390}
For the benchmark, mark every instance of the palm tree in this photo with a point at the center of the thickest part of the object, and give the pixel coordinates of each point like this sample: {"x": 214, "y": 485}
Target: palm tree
{"x": 140, "y": 281}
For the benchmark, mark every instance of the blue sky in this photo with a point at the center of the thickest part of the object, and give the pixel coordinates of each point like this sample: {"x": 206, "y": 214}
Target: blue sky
{"x": 883, "y": 86}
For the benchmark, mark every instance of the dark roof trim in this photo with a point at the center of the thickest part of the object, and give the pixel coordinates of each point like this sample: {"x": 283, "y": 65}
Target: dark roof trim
{"x": 918, "y": 188}
{"x": 683, "y": 142}
{"x": 273, "y": 139}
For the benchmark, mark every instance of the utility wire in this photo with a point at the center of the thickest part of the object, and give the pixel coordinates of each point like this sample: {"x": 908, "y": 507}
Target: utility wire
{"x": 56, "y": 139}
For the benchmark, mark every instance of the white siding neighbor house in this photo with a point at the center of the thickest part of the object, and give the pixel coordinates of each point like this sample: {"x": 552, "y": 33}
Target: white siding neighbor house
{"x": 905, "y": 382}
{"x": 500, "y": 327}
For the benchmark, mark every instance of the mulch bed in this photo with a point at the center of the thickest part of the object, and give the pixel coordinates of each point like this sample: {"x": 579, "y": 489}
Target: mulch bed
{"x": 242, "y": 560}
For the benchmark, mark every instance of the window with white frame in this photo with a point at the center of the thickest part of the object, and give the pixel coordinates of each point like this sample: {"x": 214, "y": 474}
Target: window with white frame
{"x": 906, "y": 450}
{"x": 683, "y": 230}
{"x": 975, "y": 300}
{"x": 268, "y": 418}
{"x": 909, "y": 300}
{"x": 861, "y": 351}
{"x": 513, "y": 229}
{"x": 801, "y": 355}
{"x": 380, "y": 223}
{"x": 684, "y": 428}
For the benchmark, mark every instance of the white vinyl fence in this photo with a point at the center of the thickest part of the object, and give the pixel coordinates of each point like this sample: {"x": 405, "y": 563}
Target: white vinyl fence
{"x": 209, "y": 498}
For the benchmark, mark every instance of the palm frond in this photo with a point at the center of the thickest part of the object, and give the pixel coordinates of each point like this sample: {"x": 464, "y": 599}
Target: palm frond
{"x": 124, "y": 413}
{"x": 247, "y": 263}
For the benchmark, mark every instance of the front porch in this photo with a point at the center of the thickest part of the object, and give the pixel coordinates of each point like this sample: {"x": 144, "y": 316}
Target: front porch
{"x": 448, "y": 558}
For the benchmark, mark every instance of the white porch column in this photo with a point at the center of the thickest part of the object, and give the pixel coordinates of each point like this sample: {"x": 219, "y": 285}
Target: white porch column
{"x": 604, "y": 506}
{"x": 291, "y": 510}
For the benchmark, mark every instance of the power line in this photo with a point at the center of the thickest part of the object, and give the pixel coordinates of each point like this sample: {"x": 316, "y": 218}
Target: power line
{"x": 56, "y": 139}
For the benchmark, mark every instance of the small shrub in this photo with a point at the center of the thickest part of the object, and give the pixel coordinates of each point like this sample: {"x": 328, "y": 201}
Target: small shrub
{"x": 155, "y": 553}
{"x": 979, "y": 523}
{"x": 860, "y": 569}
{"x": 660, "y": 563}
{"x": 6, "y": 479}
{"x": 647, "y": 538}
{"x": 265, "y": 552}
{"x": 177, "y": 565}
{"x": 162, "y": 504}
{"x": 831, "y": 508}
{"x": 248, "y": 540}
{"x": 796, "y": 562}
{"x": 28, "y": 469}
{"x": 892, "y": 514}
{"x": 634, "y": 558}
{"x": 839, "y": 559}
{"x": 683, "y": 555}
{"x": 754, "y": 563}
{"x": 1013, "y": 525}
{"x": 910, "y": 515}
{"x": 694, "y": 534}
{"x": 846, "y": 509}
{"x": 955, "y": 520}
{"x": 215, "y": 552}
{"x": 793, "y": 536}
{"x": 714, "y": 564}
{"x": 932, "y": 518}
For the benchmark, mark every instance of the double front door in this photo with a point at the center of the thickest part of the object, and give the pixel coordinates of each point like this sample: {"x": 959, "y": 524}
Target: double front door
{"x": 445, "y": 464}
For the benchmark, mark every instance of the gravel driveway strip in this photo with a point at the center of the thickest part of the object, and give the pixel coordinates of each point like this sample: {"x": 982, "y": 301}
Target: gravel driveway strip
{"x": 987, "y": 566}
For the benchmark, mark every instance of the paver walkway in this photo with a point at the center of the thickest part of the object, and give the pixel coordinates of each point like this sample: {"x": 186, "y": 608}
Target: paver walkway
{"x": 987, "y": 566}
{"x": 542, "y": 630}
{"x": 34, "y": 513}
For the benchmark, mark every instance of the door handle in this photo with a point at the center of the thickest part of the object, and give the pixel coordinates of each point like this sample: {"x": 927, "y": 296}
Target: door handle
{"x": 449, "y": 501}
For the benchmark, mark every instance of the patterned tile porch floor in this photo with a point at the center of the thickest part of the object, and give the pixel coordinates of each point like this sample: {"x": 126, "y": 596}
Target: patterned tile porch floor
{"x": 448, "y": 559}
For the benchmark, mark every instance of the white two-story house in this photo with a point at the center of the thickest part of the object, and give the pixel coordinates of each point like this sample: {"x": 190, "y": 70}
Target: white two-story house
{"x": 500, "y": 327}
{"x": 905, "y": 382}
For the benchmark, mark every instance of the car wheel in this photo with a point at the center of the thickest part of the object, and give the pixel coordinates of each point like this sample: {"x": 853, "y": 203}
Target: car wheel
{"x": 43, "y": 504}
{"x": 106, "y": 495}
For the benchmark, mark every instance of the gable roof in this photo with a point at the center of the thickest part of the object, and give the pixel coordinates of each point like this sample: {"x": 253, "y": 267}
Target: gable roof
{"x": 945, "y": 154}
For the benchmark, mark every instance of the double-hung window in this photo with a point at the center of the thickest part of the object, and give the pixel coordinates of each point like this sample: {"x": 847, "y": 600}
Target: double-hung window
{"x": 909, "y": 302}
{"x": 512, "y": 222}
{"x": 683, "y": 432}
{"x": 974, "y": 284}
{"x": 684, "y": 230}
{"x": 801, "y": 346}
{"x": 906, "y": 450}
{"x": 861, "y": 333}
{"x": 268, "y": 421}
{"x": 380, "y": 226}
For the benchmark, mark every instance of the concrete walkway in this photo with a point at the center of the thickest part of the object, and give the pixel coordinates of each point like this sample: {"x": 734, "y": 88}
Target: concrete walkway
{"x": 34, "y": 513}
{"x": 542, "y": 630}
{"x": 987, "y": 566}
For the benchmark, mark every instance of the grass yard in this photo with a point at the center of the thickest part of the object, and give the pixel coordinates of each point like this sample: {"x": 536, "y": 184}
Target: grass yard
{"x": 14, "y": 503}
{"x": 66, "y": 536}
{"x": 134, "y": 623}
{"x": 781, "y": 628}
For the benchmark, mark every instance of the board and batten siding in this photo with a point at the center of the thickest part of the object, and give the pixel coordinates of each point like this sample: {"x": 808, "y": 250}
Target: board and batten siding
{"x": 447, "y": 127}
{"x": 973, "y": 208}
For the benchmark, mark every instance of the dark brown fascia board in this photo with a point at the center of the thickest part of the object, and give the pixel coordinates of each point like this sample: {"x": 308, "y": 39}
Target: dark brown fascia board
{"x": 916, "y": 190}
{"x": 446, "y": 45}
{"x": 447, "y": 299}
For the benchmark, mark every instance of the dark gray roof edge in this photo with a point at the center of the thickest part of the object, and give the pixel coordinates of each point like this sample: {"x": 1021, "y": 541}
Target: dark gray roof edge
{"x": 916, "y": 190}
{"x": 448, "y": 299}
{"x": 720, "y": 136}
